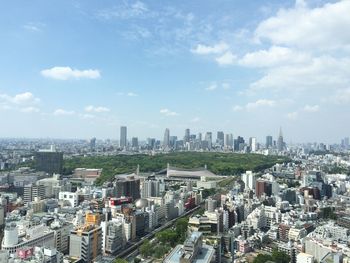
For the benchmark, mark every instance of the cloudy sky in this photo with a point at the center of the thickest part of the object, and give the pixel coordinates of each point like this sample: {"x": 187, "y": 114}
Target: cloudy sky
{"x": 78, "y": 69}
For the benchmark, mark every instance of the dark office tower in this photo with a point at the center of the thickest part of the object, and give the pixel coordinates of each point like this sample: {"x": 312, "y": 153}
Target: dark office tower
{"x": 127, "y": 185}
{"x": 263, "y": 187}
{"x": 238, "y": 144}
{"x": 92, "y": 143}
{"x": 187, "y": 135}
{"x": 199, "y": 137}
{"x": 220, "y": 138}
{"x": 49, "y": 161}
{"x": 134, "y": 142}
{"x": 280, "y": 142}
{"x": 166, "y": 141}
{"x": 123, "y": 137}
{"x": 269, "y": 141}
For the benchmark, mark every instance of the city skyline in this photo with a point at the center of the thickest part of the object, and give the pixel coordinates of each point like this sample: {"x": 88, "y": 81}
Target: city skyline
{"x": 83, "y": 69}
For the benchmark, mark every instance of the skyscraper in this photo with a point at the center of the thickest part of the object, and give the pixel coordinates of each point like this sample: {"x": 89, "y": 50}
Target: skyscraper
{"x": 166, "y": 141}
{"x": 123, "y": 137}
{"x": 220, "y": 138}
{"x": 134, "y": 142}
{"x": 269, "y": 141}
{"x": 208, "y": 139}
{"x": 280, "y": 142}
{"x": 187, "y": 135}
{"x": 252, "y": 144}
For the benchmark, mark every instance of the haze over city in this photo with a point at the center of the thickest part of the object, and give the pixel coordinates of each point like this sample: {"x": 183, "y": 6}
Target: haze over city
{"x": 81, "y": 69}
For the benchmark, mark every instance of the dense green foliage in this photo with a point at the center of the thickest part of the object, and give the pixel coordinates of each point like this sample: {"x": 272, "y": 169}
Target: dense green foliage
{"x": 219, "y": 163}
{"x": 328, "y": 213}
{"x": 276, "y": 256}
{"x": 119, "y": 260}
{"x": 165, "y": 240}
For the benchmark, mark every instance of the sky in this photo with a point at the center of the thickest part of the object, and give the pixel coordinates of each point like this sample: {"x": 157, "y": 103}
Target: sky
{"x": 81, "y": 69}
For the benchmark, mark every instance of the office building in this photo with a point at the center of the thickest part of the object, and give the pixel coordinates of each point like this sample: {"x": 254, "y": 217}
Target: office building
{"x": 269, "y": 141}
{"x": 220, "y": 138}
{"x": 32, "y": 191}
{"x": 187, "y": 136}
{"x": 166, "y": 141}
{"x": 280, "y": 142}
{"x": 253, "y": 144}
{"x": 127, "y": 185}
{"x": 192, "y": 251}
{"x": 86, "y": 243}
{"x": 135, "y": 142}
{"x": 248, "y": 179}
{"x": 123, "y": 137}
{"x": 209, "y": 140}
{"x": 49, "y": 161}
{"x": 150, "y": 188}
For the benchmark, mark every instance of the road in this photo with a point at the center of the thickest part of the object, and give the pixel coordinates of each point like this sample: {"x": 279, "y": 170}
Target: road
{"x": 126, "y": 252}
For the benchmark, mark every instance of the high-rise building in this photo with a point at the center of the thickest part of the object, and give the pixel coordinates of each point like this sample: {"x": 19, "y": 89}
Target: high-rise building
{"x": 30, "y": 192}
{"x": 280, "y": 142}
{"x": 208, "y": 139}
{"x": 187, "y": 135}
{"x": 166, "y": 141}
{"x": 127, "y": 185}
{"x": 269, "y": 141}
{"x": 252, "y": 144}
{"x": 134, "y": 142}
{"x": 228, "y": 140}
{"x": 86, "y": 243}
{"x": 220, "y": 138}
{"x": 150, "y": 188}
{"x": 263, "y": 187}
{"x": 249, "y": 180}
{"x": 123, "y": 137}
{"x": 50, "y": 161}
{"x": 238, "y": 144}
{"x": 210, "y": 205}
{"x": 92, "y": 143}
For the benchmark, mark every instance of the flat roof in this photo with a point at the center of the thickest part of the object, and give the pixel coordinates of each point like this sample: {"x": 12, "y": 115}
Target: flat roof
{"x": 207, "y": 252}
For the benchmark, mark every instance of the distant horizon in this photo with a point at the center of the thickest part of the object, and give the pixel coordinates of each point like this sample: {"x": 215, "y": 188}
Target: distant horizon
{"x": 81, "y": 69}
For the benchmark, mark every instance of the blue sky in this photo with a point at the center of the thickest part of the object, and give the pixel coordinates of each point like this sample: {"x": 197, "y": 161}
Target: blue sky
{"x": 78, "y": 69}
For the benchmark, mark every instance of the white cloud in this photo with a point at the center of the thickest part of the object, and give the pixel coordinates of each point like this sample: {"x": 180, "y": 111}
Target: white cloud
{"x": 341, "y": 96}
{"x": 228, "y": 58}
{"x": 317, "y": 28}
{"x": 65, "y": 73}
{"x": 274, "y": 56}
{"x": 314, "y": 108}
{"x": 212, "y": 87}
{"x": 237, "y": 108}
{"x": 326, "y": 72}
{"x": 124, "y": 10}
{"x": 97, "y": 109}
{"x": 168, "y": 112}
{"x": 30, "y": 110}
{"x": 206, "y": 50}
{"x": 292, "y": 115}
{"x": 260, "y": 103}
{"x": 20, "y": 99}
{"x": 132, "y": 94}
{"x": 25, "y": 98}
{"x": 61, "y": 112}
{"x": 250, "y": 106}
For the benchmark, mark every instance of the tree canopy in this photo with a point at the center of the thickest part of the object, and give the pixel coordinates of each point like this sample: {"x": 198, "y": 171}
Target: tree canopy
{"x": 219, "y": 163}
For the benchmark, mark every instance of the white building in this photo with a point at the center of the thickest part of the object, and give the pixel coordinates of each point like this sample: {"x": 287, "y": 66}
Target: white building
{"x": 249, "y": 180}
{"x": 305, "y": 258}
